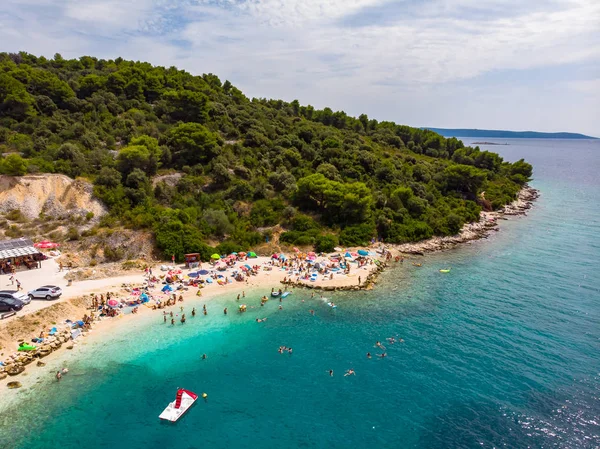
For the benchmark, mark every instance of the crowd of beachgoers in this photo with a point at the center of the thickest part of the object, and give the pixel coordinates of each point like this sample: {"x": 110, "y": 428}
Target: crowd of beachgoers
{"x": 165, "y": 286}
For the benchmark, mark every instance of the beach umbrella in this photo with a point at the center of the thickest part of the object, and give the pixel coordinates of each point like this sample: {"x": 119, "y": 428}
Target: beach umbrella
{"x": 252, "y": 254}
{"x": 234, "y": 253}
{"x": 46, "y": 244}
{"x": 296, "y": 249}
{"x": 203, "y": 272}
{"x": 244, "y": 268}
{"x": 354, "y": 254}
{"x": 363, "y": 252}
{"x": 348, "y": 255}
{"x": 241, "y": 253}
{"x": 282, "y": 256}
{"x": 113, "y": 303}
{"x": 274, "y": 256}
{"x": 167, "y": 288}
{"x": 215, "y": 256}
{"x": 312, "y": 253}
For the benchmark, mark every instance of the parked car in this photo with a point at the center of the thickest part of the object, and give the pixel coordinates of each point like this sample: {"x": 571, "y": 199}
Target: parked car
{"x": 10, "y": 304}
{"x": 46, "y": 292}
{"x": 14, "y": 294}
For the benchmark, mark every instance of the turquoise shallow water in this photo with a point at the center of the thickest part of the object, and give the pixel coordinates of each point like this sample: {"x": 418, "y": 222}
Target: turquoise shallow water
{"x": 502, "y": 352}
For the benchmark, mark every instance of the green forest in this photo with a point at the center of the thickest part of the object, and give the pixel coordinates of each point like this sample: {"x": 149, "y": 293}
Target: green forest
{"x": 195, "y": 161}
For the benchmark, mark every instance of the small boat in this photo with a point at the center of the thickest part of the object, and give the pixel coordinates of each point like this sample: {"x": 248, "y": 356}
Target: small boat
{"x": 445, "y": 271}
{"x": 183, "y": 401}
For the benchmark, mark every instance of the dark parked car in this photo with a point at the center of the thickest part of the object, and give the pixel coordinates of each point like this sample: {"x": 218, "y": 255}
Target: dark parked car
{"x": 14, "y": 294}
{"x": 10, "y": 305}
{"x": 46, "y": 292}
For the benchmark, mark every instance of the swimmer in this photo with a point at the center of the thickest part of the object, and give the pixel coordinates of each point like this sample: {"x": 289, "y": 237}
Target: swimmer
{"x": 172, "y": 321}
{"x": 225, "y": 311}
{"x": 368, "y": 355}
{"x": 312, "y": 312}
{"x": 238, "y": 297}
{"x": 280, "y": 307}
{"x": 171, "y": 314}
{"x": 379, "y": 345}
{"x": 183, "y": 319}
{"x": 382, "y": 355}
{"x": 289, "y": 350}
{"x": 391, "y": 340}
{"x": 204, "y": 356}
{"x": 65, "y": 370}
{"x": 194, "y": 311}
{"x": 58, "y": 375}
{"x": 164, "y": 318}
{"x": 350, "y": 372}
{"x": 331, "y": 373}
{"x": 181, "y": 309}
{"x": 204, "y": 307}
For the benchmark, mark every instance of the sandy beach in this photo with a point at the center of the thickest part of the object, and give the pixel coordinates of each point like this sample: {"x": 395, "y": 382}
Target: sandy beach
{"x": 41, "y": 315}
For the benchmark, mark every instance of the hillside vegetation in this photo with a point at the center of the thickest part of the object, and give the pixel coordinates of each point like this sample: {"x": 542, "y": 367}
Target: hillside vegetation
{"x": 194, "y": 160}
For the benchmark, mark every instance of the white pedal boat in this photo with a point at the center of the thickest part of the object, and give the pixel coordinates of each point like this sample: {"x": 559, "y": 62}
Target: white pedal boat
{"x": 183, "y": 401}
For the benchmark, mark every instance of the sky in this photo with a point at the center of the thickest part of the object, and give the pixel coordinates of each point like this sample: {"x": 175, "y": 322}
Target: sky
{"x": 488, "y": 64}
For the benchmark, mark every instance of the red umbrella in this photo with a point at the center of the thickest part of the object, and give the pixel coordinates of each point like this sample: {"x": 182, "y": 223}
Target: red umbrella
{"x": 296, "y": 249}
{"x": 46, "y": 244}
{"x": 312, "y": 253}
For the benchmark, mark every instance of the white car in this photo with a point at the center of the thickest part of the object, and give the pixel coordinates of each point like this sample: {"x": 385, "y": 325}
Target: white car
{"x": 14, "y": 294}
{"x": 46, "y": 292}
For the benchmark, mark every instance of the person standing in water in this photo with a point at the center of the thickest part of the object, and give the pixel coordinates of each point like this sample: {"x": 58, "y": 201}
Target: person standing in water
{"x": 183, "y": 319}
{"x": 193, "y": 311}
{"x": 331, "y": 373}
{"x": 225, "y": 311}
{"x": 164, "y": 318}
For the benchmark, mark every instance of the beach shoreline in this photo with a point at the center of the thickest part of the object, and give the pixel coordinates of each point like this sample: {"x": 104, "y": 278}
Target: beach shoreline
{"x": 255, "y": 285}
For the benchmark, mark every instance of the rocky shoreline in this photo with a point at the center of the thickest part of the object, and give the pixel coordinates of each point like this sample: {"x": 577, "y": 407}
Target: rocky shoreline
{"x": 487, "y": 224}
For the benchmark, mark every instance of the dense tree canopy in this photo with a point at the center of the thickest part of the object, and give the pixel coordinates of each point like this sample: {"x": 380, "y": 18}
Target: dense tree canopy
{"x": 195, "y": 160}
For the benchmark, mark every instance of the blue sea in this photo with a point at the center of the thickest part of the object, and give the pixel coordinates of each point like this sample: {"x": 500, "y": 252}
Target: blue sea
{"x": 503, "y": 351}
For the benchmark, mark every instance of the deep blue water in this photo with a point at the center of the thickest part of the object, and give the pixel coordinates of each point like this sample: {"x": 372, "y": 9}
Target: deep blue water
{"x": 504, "y": 351}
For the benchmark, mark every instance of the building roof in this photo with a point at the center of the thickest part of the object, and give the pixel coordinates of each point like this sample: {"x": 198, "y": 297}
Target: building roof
{"x": 15, "y": 243}
{"x": 16, "y": 248}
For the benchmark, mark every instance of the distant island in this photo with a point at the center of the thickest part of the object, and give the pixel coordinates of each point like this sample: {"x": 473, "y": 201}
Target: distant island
{"x": 500, "y": 134}
{"x": 489, "y": 143}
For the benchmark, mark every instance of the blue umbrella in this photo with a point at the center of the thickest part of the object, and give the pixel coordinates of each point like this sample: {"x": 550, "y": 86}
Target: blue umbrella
{"x": 167, "y": 288}
{"x": 203, "y": 272}
{"x": 348, "y": 255}
{"x": 363, "y": 252}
